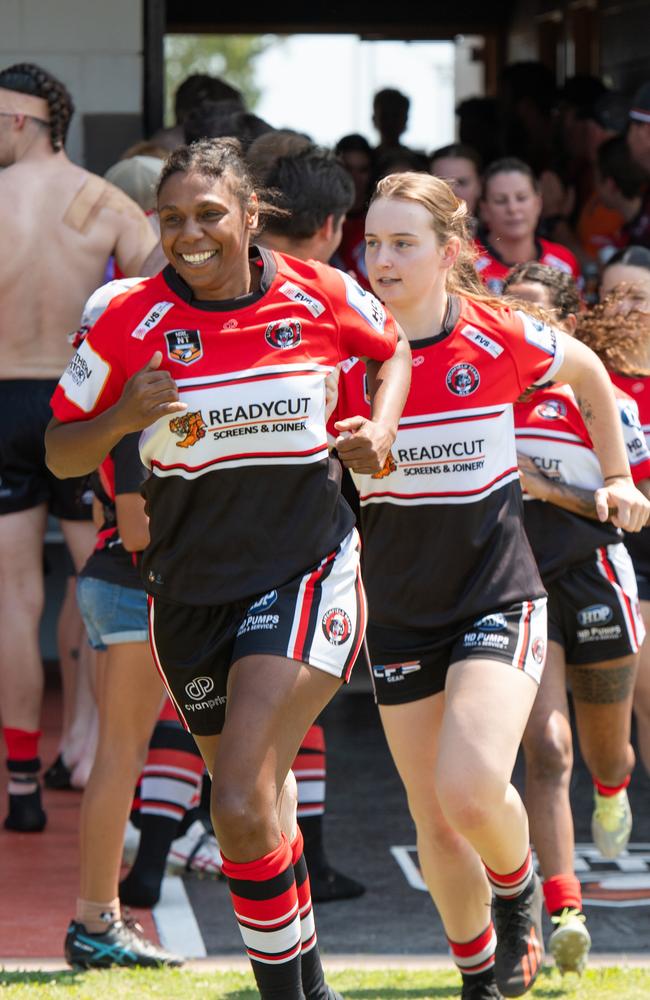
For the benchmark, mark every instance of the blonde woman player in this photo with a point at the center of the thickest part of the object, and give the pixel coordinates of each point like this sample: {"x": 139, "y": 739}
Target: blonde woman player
{"x": 457, "y": 611}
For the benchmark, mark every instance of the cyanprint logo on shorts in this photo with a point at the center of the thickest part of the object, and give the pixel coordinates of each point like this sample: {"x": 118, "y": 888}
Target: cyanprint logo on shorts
{"x": 337, "y": 627}
{"x": 199, "y": 687}
{"x": 463, "y": 379}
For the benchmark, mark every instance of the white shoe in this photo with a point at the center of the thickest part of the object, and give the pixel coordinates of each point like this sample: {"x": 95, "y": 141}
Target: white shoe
{"x": 611, "y": 823}
{"x": 570, "y": 941}
{"x": 196, "y": 851}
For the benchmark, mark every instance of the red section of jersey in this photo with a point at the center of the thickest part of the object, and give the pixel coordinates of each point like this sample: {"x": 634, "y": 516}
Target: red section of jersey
{"x": 638, "y": 388}
{"x": 493, "y": 269}
{"x": 252, "y": 375}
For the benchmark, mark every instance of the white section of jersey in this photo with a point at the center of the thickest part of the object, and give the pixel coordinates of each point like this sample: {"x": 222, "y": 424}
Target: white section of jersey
{"x": 239, "y": 421}
{"x": 151, "y": 320}
{"x": 441, "y": 459}
{"x": 547, "y": 339}
{"x": 482, "y": 340}
{"x": 85, "y": 377}
{"x": 297, "y": 294}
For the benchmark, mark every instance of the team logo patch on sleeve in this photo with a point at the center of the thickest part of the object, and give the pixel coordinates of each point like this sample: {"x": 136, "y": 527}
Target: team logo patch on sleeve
{"x": 284, "y": 334}
{"x": 336, "y": 625}
{"x": 190, "y": 427}
{"x": 184, "y": 346}
{"x": 364, "y": 303}
{"x": 85, "y": 378}
{"x": 463, "y": 379}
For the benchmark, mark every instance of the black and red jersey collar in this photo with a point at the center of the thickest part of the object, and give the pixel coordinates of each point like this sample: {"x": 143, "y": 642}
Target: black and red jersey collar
{"x": 539, "y": 250}
{"x": 452, "y": 315}
{"x": 258, "y": 257}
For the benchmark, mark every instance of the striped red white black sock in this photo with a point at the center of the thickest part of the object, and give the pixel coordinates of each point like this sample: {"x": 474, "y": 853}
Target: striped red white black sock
{"x": 513, "y": 884}
{"x": 309, "y": 768}
{"x": 476, "y": 956}
{"x": 265, "y": 900}
{"x": 313, "y": 977}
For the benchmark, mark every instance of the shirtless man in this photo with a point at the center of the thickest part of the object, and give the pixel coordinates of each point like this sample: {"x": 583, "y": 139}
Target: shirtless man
{"x": 60, "y": 226}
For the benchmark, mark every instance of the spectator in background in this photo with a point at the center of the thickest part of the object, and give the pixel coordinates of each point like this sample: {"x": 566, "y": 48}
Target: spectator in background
{"x": 621, "y": 184}
{"x": 598, "y": 221}
{"x": 479, "y": 127}
{"x": 528, "y": 95}
{"x": 137, "y": 176}
{"x": 460, "y": 166}
{"x": 510, "y": 210}
{"x": 638, "y": 139}
{"x": 264, "y": 153}
{"x": 194, "y": 90}
{"x": 218, "y": 119}
{"x": 62, "y": 225}
{"x": 390, "y": 117}
{"x": 356, "y": 156}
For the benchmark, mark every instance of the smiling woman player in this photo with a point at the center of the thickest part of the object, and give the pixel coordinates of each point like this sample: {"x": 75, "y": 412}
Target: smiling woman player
{"x": 457, "y": 611}
{"x": 257, "y": 611}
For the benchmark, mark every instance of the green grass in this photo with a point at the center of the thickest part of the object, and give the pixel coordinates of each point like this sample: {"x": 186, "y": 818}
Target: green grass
{"x": 176, "y": 984}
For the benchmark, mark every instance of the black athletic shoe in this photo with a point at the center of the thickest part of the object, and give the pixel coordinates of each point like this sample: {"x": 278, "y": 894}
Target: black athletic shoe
{"x": 58, "y": 775}
{"x": 520, "y": 945}
{"x": 121, "y": 944}
{"x": 327, "y": 885}
{"x": 480, "y": 988}
{"x": 332, "y": 994}
{"x": 26, "y": 814}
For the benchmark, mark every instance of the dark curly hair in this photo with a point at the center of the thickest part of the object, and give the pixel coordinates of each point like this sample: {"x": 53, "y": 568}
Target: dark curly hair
{"x": 27, "y": 78}
{"x": 562, "y": 287}
{"x": 217, "y": 158}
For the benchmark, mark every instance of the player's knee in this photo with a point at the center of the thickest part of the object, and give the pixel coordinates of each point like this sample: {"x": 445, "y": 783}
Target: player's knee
{"x": 609, "y": 765}
{"x": 468, "y": 803}
{"x": 549, "y": 755}
{"x": 240, "y": 814}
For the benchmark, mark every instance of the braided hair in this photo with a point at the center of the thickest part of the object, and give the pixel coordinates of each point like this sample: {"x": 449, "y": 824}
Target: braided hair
{"x": 27, "y": 78}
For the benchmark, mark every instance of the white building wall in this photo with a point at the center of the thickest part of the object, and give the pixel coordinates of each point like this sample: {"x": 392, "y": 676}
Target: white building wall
{"x": 93, "y": 46}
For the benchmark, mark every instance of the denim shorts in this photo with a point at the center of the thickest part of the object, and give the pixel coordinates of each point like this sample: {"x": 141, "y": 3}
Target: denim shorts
{"x": 112, "y": 614}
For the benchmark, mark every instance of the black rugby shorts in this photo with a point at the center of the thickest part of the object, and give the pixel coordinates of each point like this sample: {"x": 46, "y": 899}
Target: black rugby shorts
{"x": 593, "y": 609}
{"x": 25, "y": 480}
{"x": 409, "y": 665}
{"x": 318, "y": 618}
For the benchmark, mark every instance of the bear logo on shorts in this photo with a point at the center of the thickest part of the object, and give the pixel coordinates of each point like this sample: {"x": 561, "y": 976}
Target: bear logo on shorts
{"x": 337, "y": 627}
{"x": 190, "y": 427}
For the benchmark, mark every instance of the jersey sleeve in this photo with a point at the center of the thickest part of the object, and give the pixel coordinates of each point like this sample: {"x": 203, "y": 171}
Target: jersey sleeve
{"x": 635, "y": 442}
{"x": 130, "y": 473}
{"x": 351, "y": 369}
{"x": 536, "y": 350}
{"x": 366, "y": 329}
{"x": 96, "y": 373}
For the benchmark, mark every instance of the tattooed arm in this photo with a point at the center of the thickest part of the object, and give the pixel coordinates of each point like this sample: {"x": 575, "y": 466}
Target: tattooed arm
{"x": 590, "y": 382}
{"x": 575, "y": 499}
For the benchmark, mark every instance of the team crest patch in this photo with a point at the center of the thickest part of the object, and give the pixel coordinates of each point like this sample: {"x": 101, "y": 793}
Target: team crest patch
{"x": 389, "y": 466}
{"x": 184, "y": 346}
{"x": 190, "y": 427}
{"x": 463, "y": 379}
{"x": 553, "y": 409}
{"x": 283, "y": 334}
{"x": 538, "y": 649}
{"x": 337, "y": 627}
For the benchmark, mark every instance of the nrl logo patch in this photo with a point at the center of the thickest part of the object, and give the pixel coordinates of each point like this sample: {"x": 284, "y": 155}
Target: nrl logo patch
{"x": 184, "y": 346}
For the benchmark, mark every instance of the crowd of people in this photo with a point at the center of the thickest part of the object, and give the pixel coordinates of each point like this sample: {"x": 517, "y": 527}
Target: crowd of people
{"x": 279, "y": 348}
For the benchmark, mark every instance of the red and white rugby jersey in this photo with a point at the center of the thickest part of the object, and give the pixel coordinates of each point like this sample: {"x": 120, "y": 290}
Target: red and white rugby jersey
{"x": 493, "y": 270}
{"x": 638, "y": 387}
{"x": 252, "y": 373}
{"x": 443, "y": 522}
{"x": 549, "y": 429}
